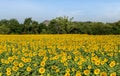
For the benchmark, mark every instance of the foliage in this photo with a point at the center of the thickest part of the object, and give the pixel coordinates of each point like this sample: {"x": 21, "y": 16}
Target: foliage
{"x": 59, "y": 25}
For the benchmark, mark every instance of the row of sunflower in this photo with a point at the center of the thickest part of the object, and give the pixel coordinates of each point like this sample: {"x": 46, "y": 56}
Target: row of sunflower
{"x": 60, "y": 55}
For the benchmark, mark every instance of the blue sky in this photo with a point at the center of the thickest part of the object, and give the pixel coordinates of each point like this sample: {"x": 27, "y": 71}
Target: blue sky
{"x": 81, "y": 10}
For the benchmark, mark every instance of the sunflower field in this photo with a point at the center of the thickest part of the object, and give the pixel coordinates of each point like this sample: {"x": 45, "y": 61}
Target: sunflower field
{"x": 60, "y": 55}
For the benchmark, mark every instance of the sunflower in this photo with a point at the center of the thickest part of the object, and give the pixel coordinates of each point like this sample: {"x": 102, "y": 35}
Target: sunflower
{"x": 28, "y": 69}
{"x": 78, "y": 73}
{"x": 14, "y": 68}
{"x": 21, "y": 64}
{"x": 97, "y": 62}
{"x": 15, "y": 63}
{"x": 6, "y": 62}
{"x": 10, "y": 59}
{"x": 67, "y": 74}
{"x": 103, "y": 74}
{"x": 8, "y": 73}
{"x": 86, "y": 72}
{"x": 102, "y": 62}
{"x": 80, "y": 63}
{"x": 2, "y": 61}
{"x": 42, "y": 63}
{"x": 89, "y": 67}
{"x": 113, "y": 74}
{"x": 96, "y": 71}
{"x": 28, "y": 59}
{"x": 41, "y": 70}
{"x": 67, "y": 70}
{"x": 112, "y": 64}
{"x": 8, "y": 69}
{"x": 54, "y": 67}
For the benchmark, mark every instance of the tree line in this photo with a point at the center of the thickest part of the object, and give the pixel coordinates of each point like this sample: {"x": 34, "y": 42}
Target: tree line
{"x": 59, "y": 25}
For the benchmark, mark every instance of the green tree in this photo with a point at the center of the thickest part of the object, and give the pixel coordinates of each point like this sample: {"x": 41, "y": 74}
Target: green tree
{"x": 60, "y": 25}
{"x": 14, "y": 26}
{"x": 27, "y": 24}
{"x": 41, "y": 27}
{"x": 4, "y": 30}
{"x": 35, "y": 27}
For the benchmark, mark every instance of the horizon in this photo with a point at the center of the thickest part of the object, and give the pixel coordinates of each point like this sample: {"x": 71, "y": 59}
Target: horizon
{"x": 81, "y": 10}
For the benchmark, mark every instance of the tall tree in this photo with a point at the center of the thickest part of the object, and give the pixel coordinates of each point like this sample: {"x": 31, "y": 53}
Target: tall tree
{"x": 27, "y": 23}
{"x": 35, "y": 27}
{"x": 14, "y": 26}
{"x": 60, "y": 25}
